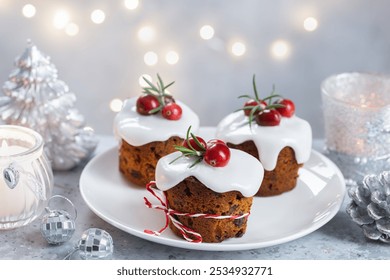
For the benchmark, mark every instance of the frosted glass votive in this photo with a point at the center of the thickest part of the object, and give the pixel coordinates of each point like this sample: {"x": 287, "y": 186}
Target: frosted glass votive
{"x": 356, "y": 108}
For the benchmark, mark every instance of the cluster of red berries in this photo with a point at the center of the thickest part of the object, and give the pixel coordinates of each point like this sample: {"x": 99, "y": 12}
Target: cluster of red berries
{"x": 155, "y": 99}
{"x": 267, "y": 114}
{"x": 214, "y": 152}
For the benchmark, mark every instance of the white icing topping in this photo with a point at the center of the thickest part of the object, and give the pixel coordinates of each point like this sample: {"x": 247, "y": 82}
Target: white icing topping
{"x": 138, "y": 130}
{"x": 243, "y": 173}
{"x": 270, "y": 140}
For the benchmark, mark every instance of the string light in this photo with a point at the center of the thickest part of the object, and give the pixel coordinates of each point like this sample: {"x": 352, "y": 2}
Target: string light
{"x": 131, "y": 4}
{"x": 280, "y": 49}
{"x": 61, "y": 19}
{"x": 238, "y": 48}
{"x": 172, "y": 57}
{"x": 116, "y": 105}
{"x": 206, "y": 32}
{"x": 146, "y": 34}
{"x": 310, "y": 24}
{"x": 29, "y": 10}
{"x": 98, "y": 16}
{"x": 72, "y": 29}
{"x": 142, "y": 82}
{"x": 150, "y": 58}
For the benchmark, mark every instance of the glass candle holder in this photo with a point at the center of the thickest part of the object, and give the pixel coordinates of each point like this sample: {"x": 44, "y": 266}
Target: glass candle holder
{"x": 26, "y": 179}
{"x": 356, "y": 109}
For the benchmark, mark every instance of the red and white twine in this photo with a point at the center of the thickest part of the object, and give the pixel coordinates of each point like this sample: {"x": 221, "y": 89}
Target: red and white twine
{"x": 170, "y": 215}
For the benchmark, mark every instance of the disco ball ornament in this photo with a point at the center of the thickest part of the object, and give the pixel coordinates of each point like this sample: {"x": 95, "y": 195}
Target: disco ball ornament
{"x": 95, "y": 244}
{"x": 58, "y": 226}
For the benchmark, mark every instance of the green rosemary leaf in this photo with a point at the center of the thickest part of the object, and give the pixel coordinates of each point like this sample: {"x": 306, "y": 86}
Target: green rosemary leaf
{"x": 150, "y": 84}
{"x": 155, "y": 110}
{"x": 167, "y": 86}
{"x": 245, "y": 96}
{"x": 196, "y": 162}
{"x": 254, "y": 87}
{"x": 197, "y": 142}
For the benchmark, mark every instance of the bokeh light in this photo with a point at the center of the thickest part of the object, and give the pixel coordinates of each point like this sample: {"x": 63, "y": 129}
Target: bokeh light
{"x": 61, "y": 19}
{"x": 238, "y": 48}
{"x": 310, "y": 24}
{"x": 206, "y": 32}
{"x": 150, "y": 58}
{"x": 280, "y": 49}
{"x": 72, "y": 29}
{"x": 29, "y": 10}
{"x": 131, "y": 4}
{"x": 146, "y": 34}
{"x": 116, "y": 105}
{"x": 98, "y": 16}
{"x": 172, "y": 57}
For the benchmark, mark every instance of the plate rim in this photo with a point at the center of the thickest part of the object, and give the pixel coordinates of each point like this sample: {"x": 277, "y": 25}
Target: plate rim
{"x": 213, "y": 246}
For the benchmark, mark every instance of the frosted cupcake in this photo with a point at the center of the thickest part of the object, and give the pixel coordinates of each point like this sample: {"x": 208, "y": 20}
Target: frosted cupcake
{"x": 209, "y": 190}
{"x": 271, "y": 132}
{"x": 148, "y": 127}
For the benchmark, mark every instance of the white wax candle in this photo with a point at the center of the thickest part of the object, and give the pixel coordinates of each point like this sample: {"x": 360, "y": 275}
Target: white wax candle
{"x": 14, "y": 202}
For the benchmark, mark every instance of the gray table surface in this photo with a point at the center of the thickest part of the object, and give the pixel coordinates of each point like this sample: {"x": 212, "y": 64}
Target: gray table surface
{"x": 339, "y": 239}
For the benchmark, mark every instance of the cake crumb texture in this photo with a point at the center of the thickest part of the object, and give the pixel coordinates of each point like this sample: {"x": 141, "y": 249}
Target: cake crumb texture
{"x": 138, "y": 163}
{"x": 191, "y": 196}
{"x": 285, "y": 175}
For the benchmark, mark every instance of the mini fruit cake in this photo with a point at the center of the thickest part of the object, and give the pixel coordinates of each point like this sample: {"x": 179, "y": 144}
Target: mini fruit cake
{"x": 272, "y": 133}
{"x": 148, "y": 127}
{"x": 208, "y": 189}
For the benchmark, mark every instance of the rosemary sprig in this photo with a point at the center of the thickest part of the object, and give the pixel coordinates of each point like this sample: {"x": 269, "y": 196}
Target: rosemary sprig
{"x": 157, "y": 91}
{"x": 259, "y": 107}
{"x": 191, "y": 151}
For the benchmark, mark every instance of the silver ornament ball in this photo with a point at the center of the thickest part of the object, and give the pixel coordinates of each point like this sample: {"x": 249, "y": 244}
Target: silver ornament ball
{"x": 95, "y": 244}
{"x": 57, "y": 226}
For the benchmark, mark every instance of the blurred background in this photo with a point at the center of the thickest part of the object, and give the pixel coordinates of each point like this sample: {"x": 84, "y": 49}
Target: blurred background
{"x": 210, "y": 48}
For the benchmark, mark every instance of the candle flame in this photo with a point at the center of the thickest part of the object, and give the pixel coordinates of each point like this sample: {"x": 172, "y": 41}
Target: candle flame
{"x": 4, "y": 144}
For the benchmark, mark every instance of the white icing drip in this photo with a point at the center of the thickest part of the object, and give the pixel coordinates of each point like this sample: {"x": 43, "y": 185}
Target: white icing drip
{"x": 292, "y": 132}
{"x": 243, "y": 173}
{"x": 139, "y": 130}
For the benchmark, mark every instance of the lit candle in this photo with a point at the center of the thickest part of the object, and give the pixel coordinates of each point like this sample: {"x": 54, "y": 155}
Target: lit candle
{"x": 12, "y": 201}
{"x": 24, "y": 181}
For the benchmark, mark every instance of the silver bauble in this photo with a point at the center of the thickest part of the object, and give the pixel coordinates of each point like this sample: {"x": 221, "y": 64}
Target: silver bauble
{"x": 95, "y": 244}
{"x": 57, "y": 226}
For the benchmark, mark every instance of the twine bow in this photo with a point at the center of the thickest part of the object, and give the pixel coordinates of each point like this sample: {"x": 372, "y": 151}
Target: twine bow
{"x": 170, "y": 214}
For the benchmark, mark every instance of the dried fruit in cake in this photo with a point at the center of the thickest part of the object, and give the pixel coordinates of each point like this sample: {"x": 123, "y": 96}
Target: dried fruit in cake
{"x": 155, "y": 99}
{"x": 205, "y": 203}
{"x": 148, "y": 127}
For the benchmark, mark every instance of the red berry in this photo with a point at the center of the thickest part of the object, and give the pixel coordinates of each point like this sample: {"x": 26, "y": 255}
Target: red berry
{"x": 253, "y": 103}
{"x": 172, "y": 111}
{"x": 194, "y": 145}
{"x": 147, "y": 103}
{"x": 217, "y": 155}
{"x": 289, "y": 108}
{"x": 215, "y": 141}
{"x": 268, "y": 118}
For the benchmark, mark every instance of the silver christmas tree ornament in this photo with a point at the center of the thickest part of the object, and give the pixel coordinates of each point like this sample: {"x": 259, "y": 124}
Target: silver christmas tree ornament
{"x": 58, "y": 226}
{"x": 370, "y": 206}
{"x": 34, "y": 97}
{"x": 94, "y": 244}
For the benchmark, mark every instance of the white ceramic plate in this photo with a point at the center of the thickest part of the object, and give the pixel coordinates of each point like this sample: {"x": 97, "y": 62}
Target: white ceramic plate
{"x": 274, "y": 220}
